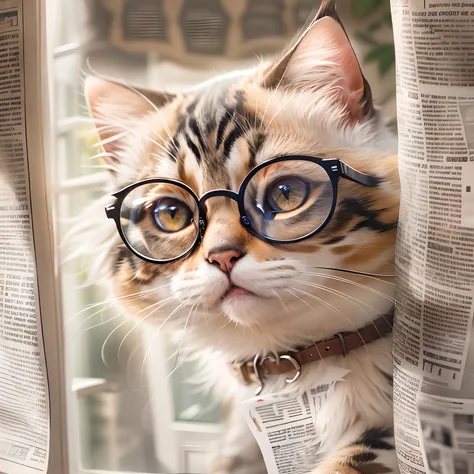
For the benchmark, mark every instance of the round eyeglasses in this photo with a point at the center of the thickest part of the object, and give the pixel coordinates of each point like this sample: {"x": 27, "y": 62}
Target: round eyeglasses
{"x": 281, "y": 201}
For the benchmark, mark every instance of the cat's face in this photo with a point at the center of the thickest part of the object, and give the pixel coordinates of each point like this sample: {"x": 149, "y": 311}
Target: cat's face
{"x": 313, "y": 102}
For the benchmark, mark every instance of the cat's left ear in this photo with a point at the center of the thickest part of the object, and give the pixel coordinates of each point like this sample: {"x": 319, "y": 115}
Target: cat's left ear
{"x": 116, "y": 108}
{"x": 322, "y": 59}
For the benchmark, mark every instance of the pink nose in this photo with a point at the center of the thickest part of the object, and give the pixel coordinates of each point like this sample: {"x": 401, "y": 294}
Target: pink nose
{"x": 225, "y": 259}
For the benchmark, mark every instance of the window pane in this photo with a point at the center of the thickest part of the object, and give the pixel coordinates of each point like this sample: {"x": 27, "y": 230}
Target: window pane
{"x": 70, "y": 21}
{"x": 76, "y": 151}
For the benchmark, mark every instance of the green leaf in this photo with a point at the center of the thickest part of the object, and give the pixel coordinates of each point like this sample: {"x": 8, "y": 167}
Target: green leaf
{"x": 364, "y": 7}
{"x": 364, "y": 38}
{"x": 386, "y": 64}
{"x": 392, "y": 125}
{"x": 378, "y": 52}
{"x": 374, "y": 26}
{"x": 384, "y": 54}
{"x": 387, "y": 19}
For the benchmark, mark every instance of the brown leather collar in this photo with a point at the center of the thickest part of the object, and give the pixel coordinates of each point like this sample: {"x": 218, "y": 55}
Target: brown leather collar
{"x": 255, "y": 371}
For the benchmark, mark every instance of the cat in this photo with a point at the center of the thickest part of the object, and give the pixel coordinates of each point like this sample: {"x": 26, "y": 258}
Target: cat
{"x": 234, "y": 295}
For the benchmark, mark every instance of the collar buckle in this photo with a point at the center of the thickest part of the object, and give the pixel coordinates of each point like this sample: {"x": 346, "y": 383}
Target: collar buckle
{"x": 257, "y": 364}
{"x": 297, "y": 367}
{"x": 257, "y": 368}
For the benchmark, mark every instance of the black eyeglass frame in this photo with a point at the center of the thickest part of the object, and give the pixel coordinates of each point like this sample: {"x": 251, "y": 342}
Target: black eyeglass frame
{"x": 335, "y": 169}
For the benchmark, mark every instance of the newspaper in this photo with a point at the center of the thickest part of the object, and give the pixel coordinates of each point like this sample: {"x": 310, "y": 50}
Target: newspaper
{"x": 285, "y": 425}
{"x": 447, "y": 426}
{"x": 31, "y": 419}
{"x": 433, "y": 354}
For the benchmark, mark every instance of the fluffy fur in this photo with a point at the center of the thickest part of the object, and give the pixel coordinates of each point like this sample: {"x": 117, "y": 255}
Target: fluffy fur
{"x": 313, "y": 101}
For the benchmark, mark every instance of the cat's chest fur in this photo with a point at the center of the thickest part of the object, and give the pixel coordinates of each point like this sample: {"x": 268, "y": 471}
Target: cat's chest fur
{"x": 359, "y": 402}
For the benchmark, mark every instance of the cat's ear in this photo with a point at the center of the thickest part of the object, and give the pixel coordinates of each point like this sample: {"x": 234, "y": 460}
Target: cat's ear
{"x": 323, "y": 59}
{"x": 115, "y": 109}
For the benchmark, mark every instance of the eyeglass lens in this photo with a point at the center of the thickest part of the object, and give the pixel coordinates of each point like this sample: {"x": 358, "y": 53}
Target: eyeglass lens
{"x": 289, "y": 199}
{"x": 160, "y": 220}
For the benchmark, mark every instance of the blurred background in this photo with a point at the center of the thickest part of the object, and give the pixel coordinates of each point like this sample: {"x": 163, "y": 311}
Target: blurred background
{"x": 131, "y": 415}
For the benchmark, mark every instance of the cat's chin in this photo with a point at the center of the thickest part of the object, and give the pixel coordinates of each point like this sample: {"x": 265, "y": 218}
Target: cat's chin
{"x": 243, "y": 307}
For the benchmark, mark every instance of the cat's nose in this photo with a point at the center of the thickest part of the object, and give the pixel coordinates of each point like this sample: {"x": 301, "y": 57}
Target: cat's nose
{"x": 225, "y": 258}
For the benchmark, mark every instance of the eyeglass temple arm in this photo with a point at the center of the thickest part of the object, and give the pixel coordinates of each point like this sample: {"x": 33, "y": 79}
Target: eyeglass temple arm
{"x": 358, "y": 177}
{"x": 111, "y": 210}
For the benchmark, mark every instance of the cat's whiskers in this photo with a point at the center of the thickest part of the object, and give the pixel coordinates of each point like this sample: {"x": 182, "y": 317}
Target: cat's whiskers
{"x": 281, "y": 301}
{"x": 114, "y": 300}
{"x": 340, "y": 293}
{"x": 226, "y": 324}
{"x": 103, "y": 322}
{"x": 302, "y": 300}
{"x": 106, "y": 124}
{"x": 108, "y": 305}
{"x": 233, "y": 118}
{"x": 333, "y": 308}
{"x": 273, "y": 94}
{"x": 351, "y": 282}
{"x": 102, "y": 350}
{"x": 345, "y": 280}
{"x": 157, "y": 110}
{"x": 351, "y": 299}
{"x": 100, "y": 311}
{"x": 247, "y": 121}
{"x": 138, "y": 345}
{"x": 309, "y": 334}
{"x": 102, "y": 154}
{"x": 245, "y": 132}
{"x": 171, "y": 141}
{"x": 356, "y": 272}
{"x": 256, "y": 109}
{"x": 166, "y": 150}
{"x": 140, "y": 321}
{"x": 94, "y": 167}
{"x": 167, "y": 130}
{"x": 175, "y": 365}
{"x": 285, "y": 104}
{"x": 112, "y": 138}
{"x": 183, "y": 303}
{"x": 109, "y": 124}
{"x": 195, "y": 313}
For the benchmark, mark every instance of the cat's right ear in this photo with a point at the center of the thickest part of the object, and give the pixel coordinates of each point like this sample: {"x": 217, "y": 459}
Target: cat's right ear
{"x": 322, "y": 59}
{"x": 116, "y": 108}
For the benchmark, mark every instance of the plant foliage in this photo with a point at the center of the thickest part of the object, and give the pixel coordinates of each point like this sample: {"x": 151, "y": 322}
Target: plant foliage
{"x": 379, "y": 13}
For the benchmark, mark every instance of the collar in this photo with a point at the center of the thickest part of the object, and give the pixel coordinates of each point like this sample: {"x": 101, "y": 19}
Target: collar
{"x": 256, "y": 370}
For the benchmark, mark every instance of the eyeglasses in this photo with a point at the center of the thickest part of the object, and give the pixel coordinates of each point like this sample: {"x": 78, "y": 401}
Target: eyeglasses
{"x": 283, "y": 200}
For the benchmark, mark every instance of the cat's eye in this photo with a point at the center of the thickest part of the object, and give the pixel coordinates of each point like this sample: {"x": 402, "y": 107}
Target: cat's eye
{"x": 172, "y": 215}
{"x": 286, "y": 194}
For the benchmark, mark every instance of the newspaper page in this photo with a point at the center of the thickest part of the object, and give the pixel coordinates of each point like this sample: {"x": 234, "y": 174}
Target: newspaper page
{"x": 433, "y": 353}
{"x": 285, "y": 425}
{"x": 24, "y": 402}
